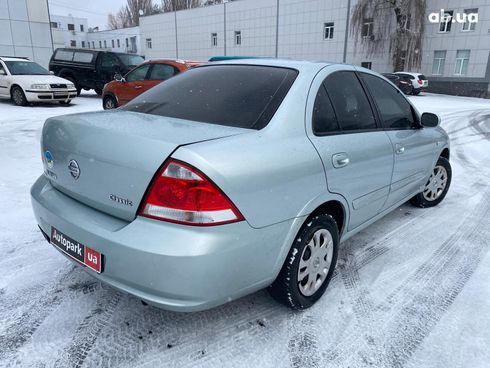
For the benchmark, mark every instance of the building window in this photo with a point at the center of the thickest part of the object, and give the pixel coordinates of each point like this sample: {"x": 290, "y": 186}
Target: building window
{"x": 462, "y": 60}
{"x": 73, "y": 43}
{"x": 118, "y": 43}
{"x": 367, "y": 27}
{"x": 100, "y": 44}
{"x": 328, "y": 30}
{"x": 148, "y": 43}
{"x": 54, "y": 25}
{"x": 127, "y": 43}
{"x": 214, "y": 39}
{"x": 83, "y": 44}
{"x": 113, "y": 44}
{"x": 105, "y": 44}
{"x": 71, "y": 27}
{"x": 93, "y": 44}
{"x": 446, "y": 21}
{"x": 81, "y": 28}
{"x": 367, "y": 64}
{"x": 470, "y": 19}
{"x": 238, "y": 37}
{"x": 439, "y": 62}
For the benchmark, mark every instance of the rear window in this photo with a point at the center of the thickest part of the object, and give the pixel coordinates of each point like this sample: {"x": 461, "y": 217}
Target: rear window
{"x": 422, "y": 77}
{"x": 83, "y": 57}
{"x": 244, "y": 96}
{"x": 64, "y": 55}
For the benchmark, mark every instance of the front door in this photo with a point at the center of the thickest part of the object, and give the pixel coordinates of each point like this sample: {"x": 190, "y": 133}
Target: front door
{"x": 414, "y": 146}
{"x": 357, "y": 155}
{"x": 135, "y": 84}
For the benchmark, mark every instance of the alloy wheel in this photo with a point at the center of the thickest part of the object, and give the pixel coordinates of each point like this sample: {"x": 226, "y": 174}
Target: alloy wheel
{"x": 436, "y": 184}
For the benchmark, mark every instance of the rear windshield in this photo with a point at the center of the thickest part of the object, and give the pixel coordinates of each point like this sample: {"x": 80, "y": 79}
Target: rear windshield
{"x": 244, "y": 96}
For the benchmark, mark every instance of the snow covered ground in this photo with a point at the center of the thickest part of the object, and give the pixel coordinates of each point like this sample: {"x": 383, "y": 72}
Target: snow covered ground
{"x": 412, "y": 290}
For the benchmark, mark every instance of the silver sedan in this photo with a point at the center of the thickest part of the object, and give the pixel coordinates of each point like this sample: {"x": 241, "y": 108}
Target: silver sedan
{"x": 233, "y": 177}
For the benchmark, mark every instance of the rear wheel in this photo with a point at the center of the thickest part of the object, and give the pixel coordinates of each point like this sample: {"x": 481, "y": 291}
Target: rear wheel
{"x": 77, "y": 87}
{"x": 98, "y": 91}
{"x": 18, "y": 96}
{"x": 437, "y": 186}
{"x": 415, "y": 92}
{"x": 109, "y": 103}
{"x": 309, "y": 265}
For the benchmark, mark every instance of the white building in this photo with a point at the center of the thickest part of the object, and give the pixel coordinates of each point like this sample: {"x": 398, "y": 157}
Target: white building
{"x": 69, "y": 31}
{"x": 455, "y": 57}
{"x": 25, "y": 30}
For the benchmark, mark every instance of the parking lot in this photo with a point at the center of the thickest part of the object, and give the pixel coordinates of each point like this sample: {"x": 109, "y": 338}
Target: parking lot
{"x": 411, "y": 290}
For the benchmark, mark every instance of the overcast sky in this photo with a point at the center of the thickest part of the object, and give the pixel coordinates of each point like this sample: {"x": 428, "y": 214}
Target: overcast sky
{"x": 94, "y": 10}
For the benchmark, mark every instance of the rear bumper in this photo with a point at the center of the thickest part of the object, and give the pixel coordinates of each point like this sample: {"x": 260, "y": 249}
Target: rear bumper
{"x": 176, "y": 267}
{"x": 39, "y": 96}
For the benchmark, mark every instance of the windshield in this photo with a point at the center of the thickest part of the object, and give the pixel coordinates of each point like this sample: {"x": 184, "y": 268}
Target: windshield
{"x": 130, "y": 60}
{"x": 25, "y": 68}
{"x": 244, "y": 96}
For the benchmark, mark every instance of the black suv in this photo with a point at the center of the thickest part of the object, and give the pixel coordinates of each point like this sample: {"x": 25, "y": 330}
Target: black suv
{"x": 91, "y": 69}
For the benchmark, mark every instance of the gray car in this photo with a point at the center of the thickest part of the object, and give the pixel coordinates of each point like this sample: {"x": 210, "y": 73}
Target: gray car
{"x": 233, "y": 177}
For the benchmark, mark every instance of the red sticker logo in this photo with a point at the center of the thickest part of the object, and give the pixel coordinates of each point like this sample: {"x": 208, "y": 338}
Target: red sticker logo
{"x": 93, "y": 259}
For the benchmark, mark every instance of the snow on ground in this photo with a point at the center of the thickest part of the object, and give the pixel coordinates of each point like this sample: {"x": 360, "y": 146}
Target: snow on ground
{"x": 412, "y": 290}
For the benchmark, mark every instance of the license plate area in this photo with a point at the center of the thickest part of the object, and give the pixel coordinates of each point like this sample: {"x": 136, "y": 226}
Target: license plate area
{"x": 79, "y": 252}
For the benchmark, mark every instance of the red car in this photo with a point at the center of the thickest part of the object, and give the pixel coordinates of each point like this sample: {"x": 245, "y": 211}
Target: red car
{"x": 123, "y": 89}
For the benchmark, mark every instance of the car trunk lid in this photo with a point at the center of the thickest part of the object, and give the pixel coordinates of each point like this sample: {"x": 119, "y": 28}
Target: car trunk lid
{"x": 107, "y": 160}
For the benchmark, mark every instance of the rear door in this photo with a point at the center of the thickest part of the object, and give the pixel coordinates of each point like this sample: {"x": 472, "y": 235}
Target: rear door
{"x": 134, "y": 85}
{"x": 357, "y": 155}
{"x": 108, "y": 66}
{"x": 414, "y": 147}
{"x": 4, "y": 90}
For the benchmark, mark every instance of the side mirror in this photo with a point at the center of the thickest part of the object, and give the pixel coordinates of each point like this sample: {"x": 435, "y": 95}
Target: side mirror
{"x": 119, "y": 78}
{"x": 429, "y": 120}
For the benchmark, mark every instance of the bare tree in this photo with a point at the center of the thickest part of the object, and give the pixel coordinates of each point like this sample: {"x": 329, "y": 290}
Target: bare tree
{"x": 129, "y": 14}
{"x": 398, "y": 24}
{"x": 173, "y": 5}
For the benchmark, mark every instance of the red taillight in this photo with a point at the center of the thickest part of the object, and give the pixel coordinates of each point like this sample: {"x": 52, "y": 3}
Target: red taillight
{"x": 181, "y": 193}
{"x": 420, "y": 81}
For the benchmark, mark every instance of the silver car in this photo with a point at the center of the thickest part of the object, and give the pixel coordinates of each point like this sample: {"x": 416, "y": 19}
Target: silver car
{"x": 234, "y": 177}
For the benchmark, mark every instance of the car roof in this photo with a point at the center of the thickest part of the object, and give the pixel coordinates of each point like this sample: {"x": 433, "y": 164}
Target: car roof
{"x": 13, "y": 58}
{"x": 283, "y": 63}
{"x": 409, "y": 73}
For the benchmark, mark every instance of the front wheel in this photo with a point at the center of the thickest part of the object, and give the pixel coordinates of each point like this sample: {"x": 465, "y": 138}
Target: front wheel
{"x": 437, "y": 186}
{"x": 309, "y": 265}
{"x": 18, "y": 96}
{"x": 109, "y": 103}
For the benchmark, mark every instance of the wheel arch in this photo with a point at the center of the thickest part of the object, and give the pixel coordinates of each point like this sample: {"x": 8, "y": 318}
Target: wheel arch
{"x": 109, "y": 94}
{"x": 445, "y": 153}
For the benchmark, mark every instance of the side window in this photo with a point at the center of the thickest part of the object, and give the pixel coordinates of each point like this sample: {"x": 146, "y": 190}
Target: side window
{"x": 350, "y": 102}
{"x": 138, "y": 73}
{"x": 395, "y": 111}
{"x": 323, "y": 118}
{"x": 109, "y": 61}
{"x": 162, "y": 72}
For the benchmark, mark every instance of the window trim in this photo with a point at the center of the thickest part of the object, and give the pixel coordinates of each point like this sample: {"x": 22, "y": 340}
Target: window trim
{"x": 459, "y": 73}
{"x": 238, "y": 38}
{"x": 447, "y": 24}
{"x": 330, "y": 26}
{"x": 440, "y": 72}
{"x": 466, "y": 11}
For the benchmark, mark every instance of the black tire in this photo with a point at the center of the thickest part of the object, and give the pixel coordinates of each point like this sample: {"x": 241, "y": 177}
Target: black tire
{"x": 66, "y": 103}
{"x": 98, "y": 91}
{"x": 286, "y": 287}
{"x": 109, "y": 103}
{"x": 18, "y": 96}
{"x": 77, "y": 87}
{"x": 416, "y": 92}
{"x": 424, "y": 200}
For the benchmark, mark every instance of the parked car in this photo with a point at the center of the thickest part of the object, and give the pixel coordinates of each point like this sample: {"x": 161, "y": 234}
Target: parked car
{"x": 418, "y": 81}
{"x": 91, "y": 69}
{"x": 403, "y": 83}
{"x": 123, "y": 89}
{"x": 235, "y": 176}
{"x": 24, "y": 81}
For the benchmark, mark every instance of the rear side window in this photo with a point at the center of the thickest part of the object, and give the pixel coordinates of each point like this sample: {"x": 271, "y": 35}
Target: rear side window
{"x": 244, "y": 96}
{"x": 350, "y": 102}
{"x": 64, "y": 55}
{"x": 162, "y": 72}
{"x": 83, "y": 57}
{"x": 324, "y": 119}
{"x": 395, "y": 111}
{"x": 422, "y": 77}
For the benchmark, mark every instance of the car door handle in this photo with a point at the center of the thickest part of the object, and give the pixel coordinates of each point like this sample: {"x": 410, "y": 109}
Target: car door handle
{"x": 399, "y": 149}
{"x": 340, "y": 160}
{"x": 137, "y": 87}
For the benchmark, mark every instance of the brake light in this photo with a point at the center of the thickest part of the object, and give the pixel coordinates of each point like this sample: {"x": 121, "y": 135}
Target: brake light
{"x": 420, "y": 81}
{"x": 181, "y": 193}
